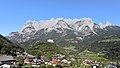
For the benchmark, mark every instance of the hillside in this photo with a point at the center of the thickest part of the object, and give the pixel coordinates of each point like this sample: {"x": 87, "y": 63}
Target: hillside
{"x": 45, "y": 49}
{"x": 7, "y": 47}
{"x": 109, "y": 45}
{"x": 92, "y": 55}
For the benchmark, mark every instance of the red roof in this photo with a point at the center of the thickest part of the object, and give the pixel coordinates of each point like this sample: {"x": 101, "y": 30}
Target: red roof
{"x": 54, "y": 61}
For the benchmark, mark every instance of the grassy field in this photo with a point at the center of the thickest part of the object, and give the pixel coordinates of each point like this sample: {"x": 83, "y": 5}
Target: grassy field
{"x": 72, "y": 48}
{"x": 111, "y": 40}
{"x": 91, "y": 55}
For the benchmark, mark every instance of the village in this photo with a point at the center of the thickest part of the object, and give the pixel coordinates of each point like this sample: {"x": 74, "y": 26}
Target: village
{"x": 85, "y": 59}
{"x": 26, "y": 60}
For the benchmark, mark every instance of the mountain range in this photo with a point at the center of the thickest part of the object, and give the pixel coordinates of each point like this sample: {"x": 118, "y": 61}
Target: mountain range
{"x": 60, "y": 29}
{"x": 82, "y": 33}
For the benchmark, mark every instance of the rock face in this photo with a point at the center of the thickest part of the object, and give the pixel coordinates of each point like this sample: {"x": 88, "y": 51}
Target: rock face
{"x": 60, "y": 29}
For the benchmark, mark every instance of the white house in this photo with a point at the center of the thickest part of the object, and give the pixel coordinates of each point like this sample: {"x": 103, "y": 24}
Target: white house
{"x": 50, "y": 41}
{"x": 5, "y": 66}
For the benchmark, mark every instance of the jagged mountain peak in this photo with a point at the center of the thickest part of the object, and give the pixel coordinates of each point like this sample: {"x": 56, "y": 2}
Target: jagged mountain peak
{"x": 105, "y": 25}
{"x": 84, "y": 24}
{"x": 29, "y": 22}
{"x": 108, "y": 24}
{"x": 89, "y": 20}
{"x": 27, "y": 27}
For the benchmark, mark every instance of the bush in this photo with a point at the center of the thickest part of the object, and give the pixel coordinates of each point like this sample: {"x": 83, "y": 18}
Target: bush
{"x": 20, "y": 60}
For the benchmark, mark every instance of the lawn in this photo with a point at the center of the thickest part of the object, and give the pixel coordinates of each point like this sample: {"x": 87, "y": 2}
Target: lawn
{"x": 72, "y": 48}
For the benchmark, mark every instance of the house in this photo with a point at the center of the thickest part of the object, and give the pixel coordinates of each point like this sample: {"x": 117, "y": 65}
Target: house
{"x": 5, "y": 66}
{"x": 54, "y": 61}
{"x": 95, "y": 66}
{"x": 4, "y": 59}
{"x": 111, "y": 66}
{"x": 43, "y": 59}
{"x": 59, "y": 56}
{"x": 50, "y": 41}
{"x": 36, "y": 62}
{"x": 7, "y": 61}
{"x": 66, "y": 61}
{"x": 35, "y": 65}
{"x": 28, "y": 60}
{"x": 87, "y": 62}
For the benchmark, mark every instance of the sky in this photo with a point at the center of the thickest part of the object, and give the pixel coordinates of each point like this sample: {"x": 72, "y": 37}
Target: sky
{"x": 14, "y": 13}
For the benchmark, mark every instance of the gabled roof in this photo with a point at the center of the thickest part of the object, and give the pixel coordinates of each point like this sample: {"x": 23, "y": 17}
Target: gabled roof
{"x": 6, "y": 58}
